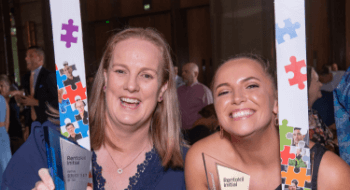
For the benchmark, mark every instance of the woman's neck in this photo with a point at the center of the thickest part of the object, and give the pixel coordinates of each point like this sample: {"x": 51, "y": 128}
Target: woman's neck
{"x": 261, "y": 148}
{"x": 127, "y": 139}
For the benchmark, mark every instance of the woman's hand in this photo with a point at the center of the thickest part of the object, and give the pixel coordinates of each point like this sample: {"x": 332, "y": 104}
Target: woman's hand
{"x": 15, "y": 93}
{"x": 46, "y": 182}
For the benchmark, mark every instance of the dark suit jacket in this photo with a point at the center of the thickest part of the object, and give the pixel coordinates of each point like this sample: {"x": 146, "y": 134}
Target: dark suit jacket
{"x": 45, "y": 92}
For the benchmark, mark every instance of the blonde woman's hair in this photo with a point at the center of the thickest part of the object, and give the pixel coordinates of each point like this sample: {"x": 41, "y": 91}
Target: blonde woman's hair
{"x": 165, "y": 129}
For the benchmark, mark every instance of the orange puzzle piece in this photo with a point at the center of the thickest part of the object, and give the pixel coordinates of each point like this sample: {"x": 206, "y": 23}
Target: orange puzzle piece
{"x": 301, "y": 176}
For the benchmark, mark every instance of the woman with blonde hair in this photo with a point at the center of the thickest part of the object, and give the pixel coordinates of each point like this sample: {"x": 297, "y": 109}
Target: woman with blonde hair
{"x": 134, "y": 117}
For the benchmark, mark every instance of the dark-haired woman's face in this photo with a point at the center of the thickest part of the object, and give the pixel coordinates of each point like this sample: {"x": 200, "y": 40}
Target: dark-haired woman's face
{"x": 315, "y": 87}
{"x": 244, "y": 97}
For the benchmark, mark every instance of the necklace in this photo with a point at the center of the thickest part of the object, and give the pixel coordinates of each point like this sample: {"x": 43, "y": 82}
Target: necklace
{"x": 121, "y": 169}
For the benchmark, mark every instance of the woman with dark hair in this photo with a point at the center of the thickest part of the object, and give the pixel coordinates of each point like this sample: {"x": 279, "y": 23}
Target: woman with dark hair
{"x": 245, "y": 101}
{"x": 318, "y": 130}
{"x": 134, "y": 118}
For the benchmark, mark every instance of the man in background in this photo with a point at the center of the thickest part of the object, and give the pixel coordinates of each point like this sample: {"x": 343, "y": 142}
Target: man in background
{"x": 40, "y": 89}
{"x": 193, "y": 96}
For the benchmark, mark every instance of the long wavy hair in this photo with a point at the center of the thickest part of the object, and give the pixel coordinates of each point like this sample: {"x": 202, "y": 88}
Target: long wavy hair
{"x": 165, "y": 129}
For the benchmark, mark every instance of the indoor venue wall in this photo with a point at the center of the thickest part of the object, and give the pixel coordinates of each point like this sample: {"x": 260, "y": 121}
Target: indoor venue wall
{"x": 202, "y": 31}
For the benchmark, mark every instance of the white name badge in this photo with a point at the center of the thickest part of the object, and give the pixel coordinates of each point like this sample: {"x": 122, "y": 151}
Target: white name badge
{"x": 232, "y": 179}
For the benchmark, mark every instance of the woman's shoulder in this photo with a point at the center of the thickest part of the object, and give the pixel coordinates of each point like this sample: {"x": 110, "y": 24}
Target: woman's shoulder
{"x": 333, "y": 172}
{"x": 212, "y": 144}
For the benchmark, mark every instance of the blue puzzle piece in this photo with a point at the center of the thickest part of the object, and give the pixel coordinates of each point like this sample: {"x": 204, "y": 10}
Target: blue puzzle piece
{"x": 289, "y": 28}
{"x": 68, "y": 114}
{"x": 60, "y": 78}
{"x": 83, "y": 129}
{"x": 62, "y": 106}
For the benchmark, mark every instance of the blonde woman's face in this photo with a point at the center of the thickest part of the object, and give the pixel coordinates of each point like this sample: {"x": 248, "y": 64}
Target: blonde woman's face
{"x": 4, "y": 88}
{"x": 133, "y": 83}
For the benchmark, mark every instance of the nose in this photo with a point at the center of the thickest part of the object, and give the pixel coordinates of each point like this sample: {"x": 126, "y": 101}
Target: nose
{"x": 131, "y": 84}
{"x": 238, "y": 97}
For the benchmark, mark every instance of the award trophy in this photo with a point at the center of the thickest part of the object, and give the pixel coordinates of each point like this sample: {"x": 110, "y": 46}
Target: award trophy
{"x": 221, "y": 176}
{"x": 69, "y": 164}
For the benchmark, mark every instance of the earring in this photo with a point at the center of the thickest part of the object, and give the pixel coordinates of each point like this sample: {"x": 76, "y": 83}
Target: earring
{"x": 221, "y": 132}
{"x": 161, "y": 98}
{"x": 276, "y": 122}
{"x": 104, "y": 88}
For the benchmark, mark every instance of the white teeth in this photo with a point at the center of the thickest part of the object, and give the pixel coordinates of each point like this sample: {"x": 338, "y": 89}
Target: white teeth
{"x": 130, "y": 101}
{"x": 242, "y": 113}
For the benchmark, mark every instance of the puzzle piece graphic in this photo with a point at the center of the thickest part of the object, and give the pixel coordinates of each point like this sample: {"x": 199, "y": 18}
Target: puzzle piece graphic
{"x": 71, "y": 94}
{"x": 60, "y": 78}
{"x": 68, "y": 37}
{"x": 306, "y": 159}
{"x": 286, "y": 134}
{"x": 66, "y": 134}
{"x": 83, "y": 129}
{"x": 68, "y": 114}
{"x": 62, "y": 106}
{"x": 295, "y": 67}
{"x": 286, "y": 155}
{"x": 289, "y": 28}
{"x": 74, "y": 68}
{"x": 301, "y": 176}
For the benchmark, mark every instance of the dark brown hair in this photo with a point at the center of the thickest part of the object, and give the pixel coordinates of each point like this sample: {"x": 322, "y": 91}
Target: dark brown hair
{"x": 165, "y": 130}
{"x": 269, "y": 69}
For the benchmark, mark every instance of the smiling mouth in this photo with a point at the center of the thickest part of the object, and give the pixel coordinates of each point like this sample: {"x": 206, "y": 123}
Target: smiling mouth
{"x": 241, "y": 114}
{"x": 130, "y": 103}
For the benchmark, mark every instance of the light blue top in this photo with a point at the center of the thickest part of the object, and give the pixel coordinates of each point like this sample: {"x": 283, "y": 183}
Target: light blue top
{"x": 2, "y": 109}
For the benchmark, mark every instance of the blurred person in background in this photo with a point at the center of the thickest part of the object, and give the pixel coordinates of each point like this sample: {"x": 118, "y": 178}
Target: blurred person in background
{"x": 5, "y": 150}
{"x": 318, "y": 130}
{"x": 15, "y": 127}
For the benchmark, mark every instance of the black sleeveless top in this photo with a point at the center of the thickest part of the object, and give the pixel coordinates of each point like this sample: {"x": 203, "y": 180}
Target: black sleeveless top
{"x": 316, "y": 154}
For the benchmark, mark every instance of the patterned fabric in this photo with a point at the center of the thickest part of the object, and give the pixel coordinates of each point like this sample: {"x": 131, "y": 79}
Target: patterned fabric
{"x": 342, "y": 115}
{"x": 148, "y": 175}
{"x": 319, "y": 132}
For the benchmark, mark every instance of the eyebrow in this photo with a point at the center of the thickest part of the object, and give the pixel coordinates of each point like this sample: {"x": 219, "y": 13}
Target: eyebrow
{"x": 244, "y": 80}
{"x": 250, "y": 78}
{"x": 125, "y": 66}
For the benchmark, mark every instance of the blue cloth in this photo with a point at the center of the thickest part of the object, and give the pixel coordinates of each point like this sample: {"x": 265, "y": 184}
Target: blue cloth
{"x": 342, "y": 115}
{"x": 325, "y": 107}
{"x": 22, "y": 171}
{"x": 5, "y": 150}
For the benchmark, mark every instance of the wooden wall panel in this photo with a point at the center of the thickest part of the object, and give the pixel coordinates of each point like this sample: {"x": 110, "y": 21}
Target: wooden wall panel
{"x": 90, "y": 9}
{"x": 102, "y": 32}
{"x": 317, "y": 33}
{"x": 98, "y": 10}
{"x": 347, "y": 35}
{"x": 199, "y": 41}
{"x": 161, "y": 22}
{"x": 128, "y": 8}
{"x": 193, "y": 3}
